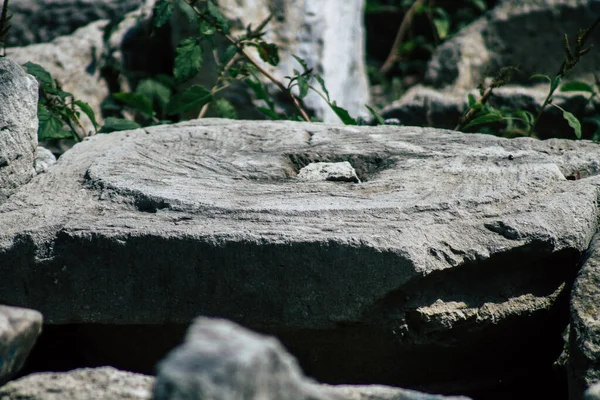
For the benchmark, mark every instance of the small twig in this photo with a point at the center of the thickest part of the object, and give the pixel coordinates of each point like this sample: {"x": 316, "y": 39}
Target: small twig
{"x": 404, "y": 25}
{"x": 241, "y": 50}
{"x": 216, "y": 88}
{"x": 270, "y": 77}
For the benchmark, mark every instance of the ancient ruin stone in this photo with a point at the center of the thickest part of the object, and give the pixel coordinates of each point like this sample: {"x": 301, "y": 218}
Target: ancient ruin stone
{"x": 18, "y": 126}
{"x": 448, "y": 242}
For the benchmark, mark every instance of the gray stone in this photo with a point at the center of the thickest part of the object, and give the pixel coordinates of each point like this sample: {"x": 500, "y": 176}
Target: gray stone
{"x": 592, "y": 393}
{"x": 18, "y": 126}
{"x": 44, "y": 159}
{"x": 19, "y": 329}
{"x": 514, "y": 33}
{"x": 584, "y": 337}
{"x": 220, "y": 360}
{"x": 74, "y": 60}
{"x": 40, "y": 21}
{"x": 450, "y": 241}
{"x": 105, "y": 383}
{"x": 527, "y": 34}
{"x": 324, "y": 171}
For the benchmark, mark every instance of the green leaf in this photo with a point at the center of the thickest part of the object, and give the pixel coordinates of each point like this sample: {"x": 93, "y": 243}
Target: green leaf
{"x": 343, "y": 114}
{"x": 224, "y": 109}
{"x": 484, "y": 119}
{"x": 527, "y": 117}
{"x": 441, "y": 21}
{"x": 302, "y": 86}
{"x": 193, "y": 97}
{"x": 322, "y": 84}
{"x": 269, "y": 113}
{"x": 269, "y": 53}
{"x": 136, "y": 101}
{"x": 187, "y": 10}
{"x": 229, "y": 53}
{"x": 555, "y": 83}
{"x": 473, "y": 103}
{"x": 87, "y": 110}
{"x": 39, "y": 73}
{"x": 205, "y": 29}
{"x": 49, "y": 126}
{"x": 112, "y": 124}
{"x": 472, "y": 100}
{"x": 161, "y": 13}
{"x": 188, "y": 59}
{"x": 259, "y": 89}
{"x": 540, "y": 76}
{"x": 376, "y": 115}
{"x": 155, "y": 91}
{"x": 576, "y": 86}
{"x": 222, "y": 22}
{"x": 479, "y": 4}
{"x": 571, "y": 120}
{"x": 301, "y": 62}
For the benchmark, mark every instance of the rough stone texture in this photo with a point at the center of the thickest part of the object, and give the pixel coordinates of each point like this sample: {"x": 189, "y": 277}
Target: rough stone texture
{"x": 584, "y": 337}
{"x": 220, "y": 360}
{"x": 327, "y": 34}
{"x": 104, "y": 383}
{"x": 524, "y": 33}
{"x": 527, "y": 34}
{"x": 44, "y": 160}
{"x": 18, "y": 126}
{"x": 39, "y": 21}
{"x": 75, "y": 60}
{"x": 323, "y": 171}
{"x": 449, "y": 242}
{"x": 19, "y": 329}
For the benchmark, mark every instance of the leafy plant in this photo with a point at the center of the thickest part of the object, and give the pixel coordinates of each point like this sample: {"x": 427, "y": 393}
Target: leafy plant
{"x": 58, "y": 108}
{"x": 479, "y": 113}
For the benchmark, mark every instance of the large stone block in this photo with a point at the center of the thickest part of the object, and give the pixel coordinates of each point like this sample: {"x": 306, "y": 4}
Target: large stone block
{"x": 18, "y": 127}
{"x": 448, "y": 242}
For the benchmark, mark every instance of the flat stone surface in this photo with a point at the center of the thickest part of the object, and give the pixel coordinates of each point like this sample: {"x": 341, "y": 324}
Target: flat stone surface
{"x": 449, "y": 242}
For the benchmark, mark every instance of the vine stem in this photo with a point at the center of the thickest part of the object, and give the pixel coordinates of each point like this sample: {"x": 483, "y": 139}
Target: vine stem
{"x": 241, "y": 50}
{"x": 215, "y": 88}
{"x": 471, "y": 112}
{"x": 394, "y": 51}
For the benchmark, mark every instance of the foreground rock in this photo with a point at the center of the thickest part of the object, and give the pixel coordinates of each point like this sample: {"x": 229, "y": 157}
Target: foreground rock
{"x": 584, "y": 353}
{"x": 19, "y": 329}
{"x": 104, "y": 383}
{"x": 220, "y": 360}
{"x": 18, "y": 127}
{"x": 496, "y": 40}
{"x": 449, "y": 242}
